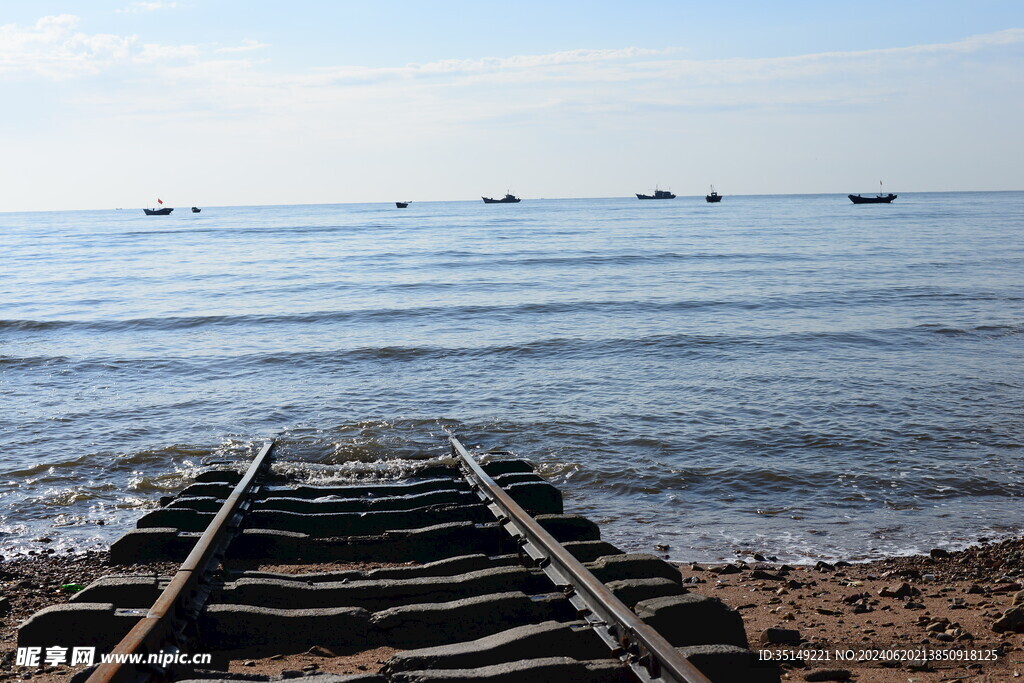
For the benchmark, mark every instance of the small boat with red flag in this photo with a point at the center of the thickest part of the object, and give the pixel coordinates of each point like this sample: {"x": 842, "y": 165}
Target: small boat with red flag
{"x": 162, "y": 211}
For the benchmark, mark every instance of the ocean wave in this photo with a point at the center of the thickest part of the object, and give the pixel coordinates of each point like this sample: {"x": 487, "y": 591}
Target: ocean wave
{"x": 982, "y": 331}
{"x": 776, "y": 371}
{"x": 632, "y": 307}
{"x": 590, "y": 260}
{"x": 31, "y": 362}
{"x": 555, "y": 347}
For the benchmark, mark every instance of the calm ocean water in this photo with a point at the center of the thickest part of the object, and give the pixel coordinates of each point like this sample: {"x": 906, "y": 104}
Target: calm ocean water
{"x": 791, "y": 374}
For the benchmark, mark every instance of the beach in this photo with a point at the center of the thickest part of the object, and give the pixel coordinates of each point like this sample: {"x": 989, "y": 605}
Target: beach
{"x": 883, "y": 614}
{"x": 881, "y": 621}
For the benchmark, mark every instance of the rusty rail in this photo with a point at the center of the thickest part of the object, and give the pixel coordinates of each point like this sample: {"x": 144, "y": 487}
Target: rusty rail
{"x": 652, "y": 658}
{"x": 163, "y": 625}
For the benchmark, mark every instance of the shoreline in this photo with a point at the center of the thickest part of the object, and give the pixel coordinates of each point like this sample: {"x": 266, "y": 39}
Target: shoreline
{"x": 949, "y": 600}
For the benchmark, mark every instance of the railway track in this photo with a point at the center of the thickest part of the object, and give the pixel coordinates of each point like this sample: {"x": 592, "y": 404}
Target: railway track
{"x": 461, "y": 572}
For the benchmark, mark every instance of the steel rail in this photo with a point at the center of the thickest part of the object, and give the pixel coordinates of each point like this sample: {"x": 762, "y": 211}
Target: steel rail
{"x": 187, "y": 591}
{"x": 652, "y": 658}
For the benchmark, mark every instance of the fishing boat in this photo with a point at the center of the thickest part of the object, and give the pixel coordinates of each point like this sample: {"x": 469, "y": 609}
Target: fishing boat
{"x": 658, "y": 194}
{"x": 162, "y": 211}
{"x": 879, "y": 198}
{"x": 196, "y": 209}
{"x": 507, "y": 199}
{"x": 402, "y": 205}
{"x": 714, "y": 197}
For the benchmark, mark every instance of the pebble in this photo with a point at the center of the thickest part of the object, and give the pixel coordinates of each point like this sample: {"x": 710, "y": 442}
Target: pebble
{"x": 902, "y": 590}
{"x": 780, "y": 636}
{"x": 1012, "y": 620}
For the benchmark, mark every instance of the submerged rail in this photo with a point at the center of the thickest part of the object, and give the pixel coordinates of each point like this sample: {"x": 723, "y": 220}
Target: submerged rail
{"x": 186, "y": 593}
{"x": 652, "y": 658}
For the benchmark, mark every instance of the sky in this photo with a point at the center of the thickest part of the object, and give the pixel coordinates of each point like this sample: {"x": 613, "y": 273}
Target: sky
{"x": 114, "y": 103}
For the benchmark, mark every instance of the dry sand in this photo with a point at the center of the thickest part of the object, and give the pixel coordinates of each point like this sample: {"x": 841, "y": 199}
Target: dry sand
{"x": 950, "y": 602}
{"x": 884, "y": 609}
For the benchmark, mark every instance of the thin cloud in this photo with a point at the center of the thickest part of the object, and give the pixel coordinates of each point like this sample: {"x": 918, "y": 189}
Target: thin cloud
{"x": 484, "y": 65}
{"x": 491, "y": 64}
{"x": 637, "y": 65}
{"x": 54, "y": 50}
{"x": 53, "y": 42}
{"x": 247, "y": 45}
{"x": 139, "y": 7}
{"x": 459, "y": 90}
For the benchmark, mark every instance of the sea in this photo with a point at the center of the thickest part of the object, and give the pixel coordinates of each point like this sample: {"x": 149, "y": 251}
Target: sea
{"x": 793, "y": 375}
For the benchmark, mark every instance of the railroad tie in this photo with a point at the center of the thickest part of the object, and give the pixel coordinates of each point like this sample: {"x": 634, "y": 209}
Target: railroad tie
{"x": 465, "y": 572}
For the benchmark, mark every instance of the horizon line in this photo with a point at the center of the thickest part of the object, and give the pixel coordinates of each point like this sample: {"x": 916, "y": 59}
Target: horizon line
{"x": 448, "y": 201}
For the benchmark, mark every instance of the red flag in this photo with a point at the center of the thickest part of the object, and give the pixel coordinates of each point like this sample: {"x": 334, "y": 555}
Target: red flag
{"x": 159, "y": 201}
